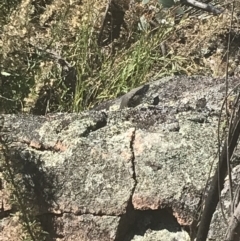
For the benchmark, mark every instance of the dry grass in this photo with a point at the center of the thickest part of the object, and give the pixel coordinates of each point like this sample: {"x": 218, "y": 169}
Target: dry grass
{"x": 53, "y": 60}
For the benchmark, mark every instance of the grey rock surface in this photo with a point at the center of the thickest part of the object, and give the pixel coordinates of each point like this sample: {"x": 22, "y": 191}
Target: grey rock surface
{"x": 130, "y": 169}
{"x": 219, "y": 225}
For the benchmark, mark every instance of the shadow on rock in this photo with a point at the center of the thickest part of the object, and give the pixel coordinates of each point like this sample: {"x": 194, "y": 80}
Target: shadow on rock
{"x": 138, "y": 223}
{"x": 34, "y": 189}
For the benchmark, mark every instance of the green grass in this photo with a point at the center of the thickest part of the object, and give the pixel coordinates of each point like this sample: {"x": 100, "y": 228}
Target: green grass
{"x": 32, "y": 80}
{"x": 37, "y": 84}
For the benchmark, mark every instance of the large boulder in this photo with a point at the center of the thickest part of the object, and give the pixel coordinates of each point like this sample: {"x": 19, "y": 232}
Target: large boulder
{"x": 134, "y": 168}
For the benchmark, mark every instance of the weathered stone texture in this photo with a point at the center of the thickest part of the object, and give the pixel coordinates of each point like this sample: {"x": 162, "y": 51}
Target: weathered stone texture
{"x": 97, "y": 175}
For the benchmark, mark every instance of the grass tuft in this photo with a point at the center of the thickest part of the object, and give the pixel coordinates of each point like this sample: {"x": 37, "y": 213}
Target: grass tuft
{"x": 59, "y": 55}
